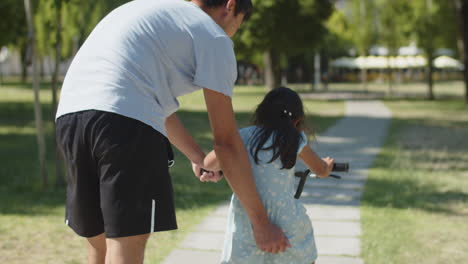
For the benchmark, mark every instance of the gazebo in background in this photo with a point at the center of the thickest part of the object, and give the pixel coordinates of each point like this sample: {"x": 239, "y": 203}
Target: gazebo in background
{"x": 407, "y": 68}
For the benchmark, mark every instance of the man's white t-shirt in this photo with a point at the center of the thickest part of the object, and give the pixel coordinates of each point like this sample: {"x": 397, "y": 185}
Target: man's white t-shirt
{"x": 144, "y": 55}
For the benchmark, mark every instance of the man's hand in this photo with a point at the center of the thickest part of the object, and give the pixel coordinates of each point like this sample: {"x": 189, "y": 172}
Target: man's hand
{"x": 270, "y": 238}
{"x": 196, "y": 169}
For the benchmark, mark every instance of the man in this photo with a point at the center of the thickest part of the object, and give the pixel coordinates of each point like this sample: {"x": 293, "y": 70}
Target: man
{"x": 117, "y": 109}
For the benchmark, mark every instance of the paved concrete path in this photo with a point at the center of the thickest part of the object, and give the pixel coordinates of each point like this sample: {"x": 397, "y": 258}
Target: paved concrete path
{"x": 333, "y": 205}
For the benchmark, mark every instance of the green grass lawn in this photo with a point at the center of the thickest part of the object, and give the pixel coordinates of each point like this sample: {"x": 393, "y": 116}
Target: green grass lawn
{"x": 32, "y": 228}
{"x": 415, "y": 205}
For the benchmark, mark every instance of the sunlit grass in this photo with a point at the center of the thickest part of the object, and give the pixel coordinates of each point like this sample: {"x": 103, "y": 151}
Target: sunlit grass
{"x": 415, "y": 207}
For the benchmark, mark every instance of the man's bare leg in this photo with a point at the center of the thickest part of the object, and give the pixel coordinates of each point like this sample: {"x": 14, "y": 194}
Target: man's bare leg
{"x": 97, "y": 249}
{"x": 126, "y": 250}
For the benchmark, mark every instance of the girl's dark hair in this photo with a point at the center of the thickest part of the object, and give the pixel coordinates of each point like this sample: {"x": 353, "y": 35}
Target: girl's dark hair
{"x": 276, "y": 117}
{"x": 242, "y": 6}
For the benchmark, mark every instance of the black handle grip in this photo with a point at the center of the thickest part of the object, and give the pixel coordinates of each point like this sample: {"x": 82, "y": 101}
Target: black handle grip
{"x": 342, "y": 167}
{"x": 203, "y": 170}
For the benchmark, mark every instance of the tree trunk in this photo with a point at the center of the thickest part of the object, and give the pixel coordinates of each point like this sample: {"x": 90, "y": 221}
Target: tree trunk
{"x": 364, "y": 79}
{"x": 390, "y": 77}
{"x": 317, "y": 71}
{"x": 430, "y": 80}
{"x": 59, "y": 176}
{"x": 390, "y": 81}
{"x": 326, "y": 70}
{"x": 41, "y": 69}
{"x": 24, "y": 61}
{"x": 37, "y": 105}
{"x": 464, "y": 36}
{"x": 272, "y": 69}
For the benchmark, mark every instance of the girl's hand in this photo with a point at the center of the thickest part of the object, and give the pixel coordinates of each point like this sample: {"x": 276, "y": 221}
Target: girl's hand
{"x": 211, "y": 176}
{"x": 329, "y": 167}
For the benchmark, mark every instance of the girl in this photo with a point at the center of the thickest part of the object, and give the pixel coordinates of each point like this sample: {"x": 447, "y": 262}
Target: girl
{"x": 274, "y": 142}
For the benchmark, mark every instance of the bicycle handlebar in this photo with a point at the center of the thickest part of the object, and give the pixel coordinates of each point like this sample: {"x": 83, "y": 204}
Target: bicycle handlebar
{"x": 303, "y": 175}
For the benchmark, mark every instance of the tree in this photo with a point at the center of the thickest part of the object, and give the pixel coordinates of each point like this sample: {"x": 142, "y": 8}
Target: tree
{"x": 434, "y": 26}
{"x": 13, "y": 24}
{"x": 58, "y": 4}
{"x": 58, "y": 42}
{"x": 364, "y": 29}
{"x": 338, "y": 40}
{"x": 461, "y": 8}
{"x": 394, "y": 30}
{"x": 37, "y": 104}
{"x": 49, "y": 38}
{"x": 81, "y": 16}
{"x": 48, "y": 24}
{"x": 426, "y": 28}
{"x": 283, "y": 27}
{"x": 14, "y": 29}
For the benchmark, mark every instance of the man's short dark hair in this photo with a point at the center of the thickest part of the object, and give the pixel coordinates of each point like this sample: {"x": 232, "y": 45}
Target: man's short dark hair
{"x": 242, "y": 6}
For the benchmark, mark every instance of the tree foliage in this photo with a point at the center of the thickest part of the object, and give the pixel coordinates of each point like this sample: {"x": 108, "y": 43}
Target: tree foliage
{"x": 13, "y": 25}
{"x": 394, "y": 28}
{"x": 394, "y": 24}
{"x": 288, "y": 26}
{"x": 282, "y": 28}
{"x": 79, "y": 17}
{"x": 339, "y": 39}
{"x": 363, "y": 24}
{"x": 461, "y": 16}
{"x": 434, "y": 26}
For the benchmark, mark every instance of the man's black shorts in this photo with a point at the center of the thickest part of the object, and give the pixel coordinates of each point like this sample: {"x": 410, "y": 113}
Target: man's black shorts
{"x": 118, "y": 176}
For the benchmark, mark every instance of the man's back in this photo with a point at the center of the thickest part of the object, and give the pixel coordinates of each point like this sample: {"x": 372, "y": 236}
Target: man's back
{"x": 141, "y": 57}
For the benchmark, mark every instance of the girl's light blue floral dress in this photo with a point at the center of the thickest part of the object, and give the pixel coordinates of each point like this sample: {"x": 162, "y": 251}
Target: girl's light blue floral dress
{"x": 276, "y": 189}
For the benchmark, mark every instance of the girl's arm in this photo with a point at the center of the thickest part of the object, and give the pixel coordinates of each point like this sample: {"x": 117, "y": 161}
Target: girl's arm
{"x": 321, "y": 167}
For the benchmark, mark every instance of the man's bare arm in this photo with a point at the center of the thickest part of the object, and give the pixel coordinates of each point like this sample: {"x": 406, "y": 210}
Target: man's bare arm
{"x": 233, "y": 160}
{"x": 183, "y": 141}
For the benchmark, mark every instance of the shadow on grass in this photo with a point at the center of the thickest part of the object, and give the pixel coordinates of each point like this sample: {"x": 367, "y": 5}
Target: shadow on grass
{"x": 20, "y": 185}
{"x": 21, "y": 190}
{"x": 21, "y": 114}
{"x": 44, "y": 85}
{"x": 410, "y": 194}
